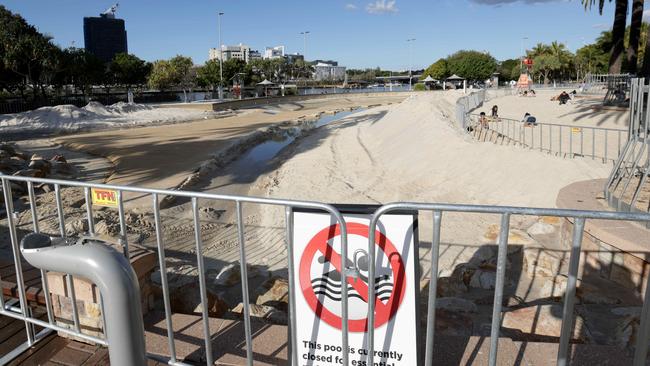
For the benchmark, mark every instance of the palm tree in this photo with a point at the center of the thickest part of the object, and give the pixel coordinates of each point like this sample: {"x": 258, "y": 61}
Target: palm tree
{"x": 618, "y": 32}
{"x": 635, "y": 34}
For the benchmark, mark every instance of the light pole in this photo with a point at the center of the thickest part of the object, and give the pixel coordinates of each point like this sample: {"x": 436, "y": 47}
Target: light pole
{"x": 521, "y": 52}
{"x": 304, "y": 44}
{"x": 410, "y": 42}
{"x": 220, "y": 58}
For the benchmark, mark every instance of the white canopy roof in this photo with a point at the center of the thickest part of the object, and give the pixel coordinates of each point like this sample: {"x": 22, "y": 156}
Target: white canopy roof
{"x": 455, "y": 77}
{"x": 429, "y": 79}
{"x": 265, "y": 82}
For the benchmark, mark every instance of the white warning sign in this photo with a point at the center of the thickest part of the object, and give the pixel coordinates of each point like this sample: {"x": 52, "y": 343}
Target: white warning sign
{"x": 319, "y": 261}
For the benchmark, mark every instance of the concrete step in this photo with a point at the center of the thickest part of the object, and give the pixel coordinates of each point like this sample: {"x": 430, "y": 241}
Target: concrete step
{"x": 270, "y": 345}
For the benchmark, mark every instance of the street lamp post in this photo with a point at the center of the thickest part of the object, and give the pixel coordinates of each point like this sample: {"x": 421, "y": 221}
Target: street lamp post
{"x": 521, "y": 52}
{"x": 220, "y": 59}
{"x": 410, "y": 42}
{"x": 304, "y": 44}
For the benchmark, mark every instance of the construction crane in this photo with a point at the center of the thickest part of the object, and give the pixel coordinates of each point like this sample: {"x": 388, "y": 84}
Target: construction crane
{"x": 110, "y": 12}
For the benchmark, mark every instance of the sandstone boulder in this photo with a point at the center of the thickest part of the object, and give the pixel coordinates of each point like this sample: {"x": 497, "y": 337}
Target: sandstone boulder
{"x": 274, "y": 292}
{"x": 540, "y": 322}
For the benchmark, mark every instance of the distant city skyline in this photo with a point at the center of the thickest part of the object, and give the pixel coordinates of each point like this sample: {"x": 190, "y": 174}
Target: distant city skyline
{"x": 358, "y": 34}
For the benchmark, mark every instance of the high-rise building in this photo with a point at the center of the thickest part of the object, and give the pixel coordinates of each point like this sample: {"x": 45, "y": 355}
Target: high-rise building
{"x": 274, "y": 52}
{"x": 105, "y": 36}
{"x": 241, "y": 52}
{"x": 329, "y": 72}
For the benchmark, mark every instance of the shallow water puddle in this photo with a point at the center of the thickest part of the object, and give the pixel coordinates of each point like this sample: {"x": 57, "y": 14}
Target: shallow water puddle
{"x": 257, "y": 157}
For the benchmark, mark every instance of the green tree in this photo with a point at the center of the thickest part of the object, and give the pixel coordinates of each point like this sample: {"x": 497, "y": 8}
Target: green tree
{"x": 618, "y": 32}
{"x": 183, "y": 73}
{"x": 509, "y": 69}
{"x": 208, "y": 74}
{"x": 162, "y": 76}
{"x": 635, "y": 36}
{"x": 83, "y": 69}
{"x": 544, "y": 65}
{"x": 472, "y": 65}
{"x": 129, "y": 70}
{"x": 438, "y": 70}
{"x": 231, "y": 68}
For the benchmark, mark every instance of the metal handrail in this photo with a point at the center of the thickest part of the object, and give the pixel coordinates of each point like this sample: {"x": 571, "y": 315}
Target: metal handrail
{"x": 556, "y": 138}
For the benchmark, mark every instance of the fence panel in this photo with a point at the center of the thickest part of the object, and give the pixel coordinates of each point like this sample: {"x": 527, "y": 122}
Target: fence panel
{"x": 22, "y": 311}
{"x": 569, "y": 141}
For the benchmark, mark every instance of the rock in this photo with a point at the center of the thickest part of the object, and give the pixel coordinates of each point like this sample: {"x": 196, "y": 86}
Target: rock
{"x": 538, "y": 262}
{"x": 541, "y": 228}
{"x": 29, "y": 173}
{"x": 230, "y": 274}
{"x": 42, "y": 165}
{"x": 447, "y": 287}
{"x": 540, "y": 322}
{"x": 59, "y": 158}
{"x": 263, "y": 312}
{"x": 483, "y": 279}
{"x": 184, "y": 290}
{"x": 274, "y": 292}
{"x": 589, "y": 295}
{"x": 103, "y": 227}
{"x": 62, "y": 168}
{"x": 456, "y": 304}
{"x": 74, "y": 227}
{"x": 8, "y": 149}
{"x": 627, "y": 311}
{"x": 483, "y": 254}
{"x": 551, "y": 220}
{"x": 453, "y": 323}
{"x": 457, "y": 283}
{"x": 626, "y": 332}
{"x": 516, "y": 237}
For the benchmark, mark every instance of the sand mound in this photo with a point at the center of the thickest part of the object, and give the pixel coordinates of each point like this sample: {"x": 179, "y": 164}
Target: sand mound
{"x": 94, "y": 116}
{"x": 413, "y": 152}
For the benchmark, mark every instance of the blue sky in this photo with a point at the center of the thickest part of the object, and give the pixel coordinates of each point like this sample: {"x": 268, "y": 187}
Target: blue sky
{"x": 357, "y": 33}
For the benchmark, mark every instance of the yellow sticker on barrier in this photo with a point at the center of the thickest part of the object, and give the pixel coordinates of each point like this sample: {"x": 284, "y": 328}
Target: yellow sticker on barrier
{"x": 576, "y": 129}
{"x": 104, "y": 197}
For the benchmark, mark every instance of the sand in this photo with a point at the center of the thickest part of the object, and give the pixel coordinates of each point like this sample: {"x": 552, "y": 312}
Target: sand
{"x": 413, "y": 152}
{"x": 164, "y": 156}
{"x": 69, "y": 118}
{"x": 584, "y": 110}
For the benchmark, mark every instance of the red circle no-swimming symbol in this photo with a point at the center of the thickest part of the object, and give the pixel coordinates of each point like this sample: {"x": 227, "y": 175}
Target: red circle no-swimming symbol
{"x": 384, "y": 311}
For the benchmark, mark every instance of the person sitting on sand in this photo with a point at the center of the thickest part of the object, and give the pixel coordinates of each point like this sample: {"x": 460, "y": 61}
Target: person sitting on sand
{"x": 495, "y": 112}
{"x": 564, "y": 97}
{"x": 482, "y": 119}
{"x": 529, "y": 120}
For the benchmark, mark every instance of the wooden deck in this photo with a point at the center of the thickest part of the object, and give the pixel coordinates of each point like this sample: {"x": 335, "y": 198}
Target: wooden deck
{"x": 52, "y": 350}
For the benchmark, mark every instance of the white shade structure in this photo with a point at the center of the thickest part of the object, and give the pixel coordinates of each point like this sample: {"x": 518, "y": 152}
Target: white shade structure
{"x": 455, "y": 77}
{"x": 429, "y": 79}
{"x": 265, "y": 82}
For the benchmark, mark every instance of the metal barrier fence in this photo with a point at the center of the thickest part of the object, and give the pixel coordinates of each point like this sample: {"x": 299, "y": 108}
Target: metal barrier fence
{"x": 564, "y": 140}
{"x": 629, "y": 177}
{"x": 23, "y": 312}
{"x": 474, "y": 100}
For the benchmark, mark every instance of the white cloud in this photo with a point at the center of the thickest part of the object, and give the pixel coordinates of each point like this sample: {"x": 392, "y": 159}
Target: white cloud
{"x": 381, "y": 7}
{"x": 646, "y": 16}
{"x": 350, "y": 7}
